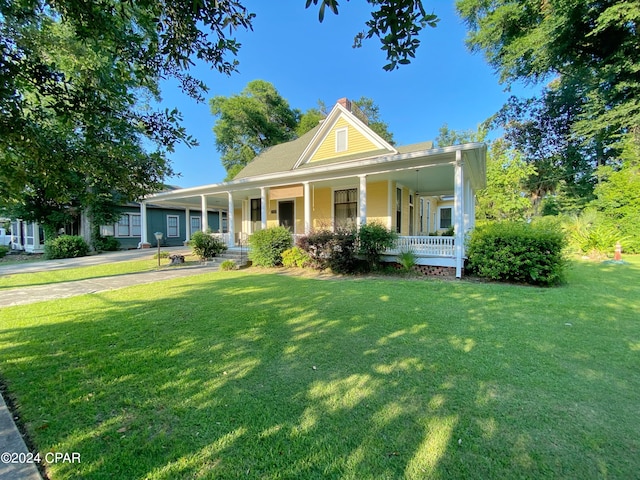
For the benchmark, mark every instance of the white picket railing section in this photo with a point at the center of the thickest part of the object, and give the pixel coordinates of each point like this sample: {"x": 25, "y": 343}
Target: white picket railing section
{"x": 424, "y": 246}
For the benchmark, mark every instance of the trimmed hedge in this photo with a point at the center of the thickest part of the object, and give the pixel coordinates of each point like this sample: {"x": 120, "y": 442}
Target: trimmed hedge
{"x": 66, "y": 246}
{"x": 267, "y": 246}
{"x": 517, "y": 252}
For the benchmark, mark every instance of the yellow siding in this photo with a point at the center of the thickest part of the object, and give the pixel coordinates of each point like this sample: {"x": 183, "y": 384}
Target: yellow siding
{"x": 377, "y": 203}
{"x": 321, "y": 208}
{"x": 356, "y": 143}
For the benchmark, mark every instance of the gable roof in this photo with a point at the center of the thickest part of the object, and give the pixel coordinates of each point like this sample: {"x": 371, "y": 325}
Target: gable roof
{"x": 303, "y": 151}
{"x": 279, "y": 158}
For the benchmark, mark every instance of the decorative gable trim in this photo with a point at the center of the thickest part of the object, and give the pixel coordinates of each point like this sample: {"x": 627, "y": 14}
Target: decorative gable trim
{"x": 328, "y": 125}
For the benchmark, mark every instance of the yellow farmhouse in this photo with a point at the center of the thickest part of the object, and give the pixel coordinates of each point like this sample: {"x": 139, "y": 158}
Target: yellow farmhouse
{"x": 341, "y": 173}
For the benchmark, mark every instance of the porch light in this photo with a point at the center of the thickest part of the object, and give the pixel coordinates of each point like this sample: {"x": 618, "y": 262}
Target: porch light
{"x": 158, "y": 238}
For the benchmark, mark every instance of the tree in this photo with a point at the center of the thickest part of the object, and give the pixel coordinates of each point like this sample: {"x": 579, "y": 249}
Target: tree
{"x": 372, "y": 112}
{"x": 593, "y": 43}
{"x": 618, "y": 195}
{"x": 542, "y": 129}
{"x": 447, "y": 137}
{"x": 504, "y": 197}
{"x": 73, "y": 133}
{"x": 251, "y": 121}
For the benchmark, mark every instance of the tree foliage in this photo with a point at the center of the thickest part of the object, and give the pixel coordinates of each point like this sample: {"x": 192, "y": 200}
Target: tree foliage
{"x": 593, "y": 42}
{"x": 74, "y": 133}
{"x": 504, "y": 197}
{"x": 257, "y": 118}
{"x": 396, "y": 23}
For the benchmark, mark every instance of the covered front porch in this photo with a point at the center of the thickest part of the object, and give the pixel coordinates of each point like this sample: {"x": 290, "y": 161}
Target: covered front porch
{"x": 423, "y": 197}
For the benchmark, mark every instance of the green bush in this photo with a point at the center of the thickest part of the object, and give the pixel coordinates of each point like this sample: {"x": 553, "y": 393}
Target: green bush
{"x": 162, "y": 254}
{"x": 228, "y": 265}
{"x": 334, "y": 250}
{"x": 295, "y": 257}
{"x": 407, "y": 258}
{"x": 104, "y": 244}
{"x": 517, "y": 252}
{"x": 267, "y": 246}
{"x": 373, "y": 240}
{"x": 66, "y": 246}
{"x": 3, "y": 250}
{"x": 206, "y": 246}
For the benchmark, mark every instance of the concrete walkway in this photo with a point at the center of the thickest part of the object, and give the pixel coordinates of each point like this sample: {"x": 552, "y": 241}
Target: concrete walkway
{"x": 11, "y": 441}
{"x": 52, "y": 291}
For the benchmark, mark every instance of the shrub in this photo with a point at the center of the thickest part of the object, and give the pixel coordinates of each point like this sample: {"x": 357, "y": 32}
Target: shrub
{"x": 228, "y": 265}
{"x": 206, "y": 246}
{"x": 66, "y": 246}
{"x": 267, "y": 246}
{"x": 517, "y": 252}
{"x": 318, "y": 245}
{"x": 407, "y": 258}
{"x": 3, "y": 250}
{"x": 295, "y": 257}
{"x": 373, "y": 240}
{"x": 104, "y": 244}
{"x": 162, "y": 254}
{"x": 334, "y": 250}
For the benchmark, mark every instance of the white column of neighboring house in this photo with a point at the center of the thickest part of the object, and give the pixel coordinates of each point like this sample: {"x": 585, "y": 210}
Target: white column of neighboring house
{"x": 187, "y": 222}
{"x": 362, "y": 204}
{"x": 230, "y": 220}
{"x": 307, "y": 207}
{"x": 263, "y": 207}
{"x": 458, "y": 209}
{"x": 204, "y": 223}
{"x": 144, "y": 241}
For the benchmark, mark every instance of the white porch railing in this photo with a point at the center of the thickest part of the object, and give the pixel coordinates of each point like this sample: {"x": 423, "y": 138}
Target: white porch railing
{"x": 424, "y": 246}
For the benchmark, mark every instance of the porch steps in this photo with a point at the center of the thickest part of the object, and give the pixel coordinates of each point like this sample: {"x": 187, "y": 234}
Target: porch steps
{"x": 240, "y": 257}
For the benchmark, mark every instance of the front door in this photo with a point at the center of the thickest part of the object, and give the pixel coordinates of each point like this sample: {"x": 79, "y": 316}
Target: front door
{"x": 286, "y": 214}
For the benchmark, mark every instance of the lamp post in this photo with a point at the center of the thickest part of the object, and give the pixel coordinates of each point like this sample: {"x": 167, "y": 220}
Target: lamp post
{"x": 158, "y": 238}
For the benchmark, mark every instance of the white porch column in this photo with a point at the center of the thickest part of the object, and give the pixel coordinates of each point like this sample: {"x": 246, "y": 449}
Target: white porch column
{"x": 187, "y": 223}
{"x": 263, "y": 207}
{"x": 143, "y": 225}
{"x": 230, "y": 221}
{"x": 362, "y": 204}
{"x": 307, "y": 207}
{"x": 204, "y": 224}
{"x": 458, "y": 209}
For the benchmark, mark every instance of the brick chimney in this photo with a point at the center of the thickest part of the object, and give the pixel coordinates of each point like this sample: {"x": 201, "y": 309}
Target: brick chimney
{"x": 346, "y": 103}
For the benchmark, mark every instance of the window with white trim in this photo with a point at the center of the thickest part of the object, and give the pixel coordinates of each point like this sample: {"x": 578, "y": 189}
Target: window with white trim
{"x": 445, "y": 217}
{"x": 129, "y": 225}
{"x": 173, "y": 226}
{"x": 196, "y": 224}
{"x": 342, "y": 141}
{"x": 345, "y": 207}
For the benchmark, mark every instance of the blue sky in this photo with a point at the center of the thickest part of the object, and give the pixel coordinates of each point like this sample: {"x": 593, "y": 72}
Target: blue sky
{"x": 309, "y": 61}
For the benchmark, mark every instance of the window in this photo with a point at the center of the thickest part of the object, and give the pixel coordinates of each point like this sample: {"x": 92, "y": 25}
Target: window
{"x": 256, "y": 210}
{"x": 341, "y": 140}
{"x": 345, "y": 207}
{"x": 173, "y": 226}
{"x": 445, "y": 217}
{"x": 398, "y": 210}
{"x": 107, "y": 230}
{"x": 128, "y": 225}
{"x": 196, "y": 225}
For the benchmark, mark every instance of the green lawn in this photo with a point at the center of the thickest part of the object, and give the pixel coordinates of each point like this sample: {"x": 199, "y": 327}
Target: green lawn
{"x": 255, "y": 375}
